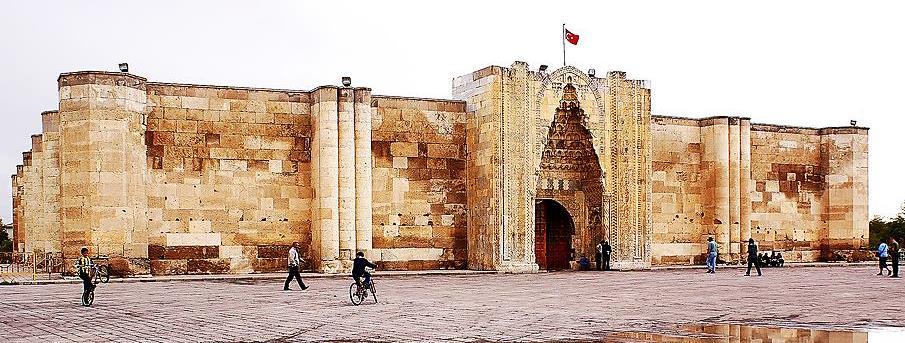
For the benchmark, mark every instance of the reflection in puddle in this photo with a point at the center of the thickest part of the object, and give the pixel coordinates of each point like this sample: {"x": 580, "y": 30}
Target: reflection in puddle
{"x": 754, "y": 334}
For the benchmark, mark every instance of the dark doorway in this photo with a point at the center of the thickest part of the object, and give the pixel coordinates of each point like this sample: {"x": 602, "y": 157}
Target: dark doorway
{"x": 553, "y": 232}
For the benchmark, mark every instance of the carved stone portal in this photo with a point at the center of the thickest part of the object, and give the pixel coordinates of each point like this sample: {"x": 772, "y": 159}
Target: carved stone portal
{"x": 570, "y": 174}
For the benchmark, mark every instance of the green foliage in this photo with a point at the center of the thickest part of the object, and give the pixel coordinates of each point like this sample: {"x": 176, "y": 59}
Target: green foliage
{"x": 6, "y": 244}
{"x": 882, "y": 229}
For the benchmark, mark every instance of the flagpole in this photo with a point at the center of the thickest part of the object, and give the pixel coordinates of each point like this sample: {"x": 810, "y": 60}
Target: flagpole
{"x": 563, "y": 38}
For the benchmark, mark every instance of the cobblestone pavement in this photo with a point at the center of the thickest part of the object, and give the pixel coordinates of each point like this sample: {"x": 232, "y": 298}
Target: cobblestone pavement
{"x": 537, "y": 307}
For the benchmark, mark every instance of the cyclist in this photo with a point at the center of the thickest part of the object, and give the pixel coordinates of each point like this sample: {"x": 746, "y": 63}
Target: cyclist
{"x": 84, "y": 268}
{"x": 358, "y": 269}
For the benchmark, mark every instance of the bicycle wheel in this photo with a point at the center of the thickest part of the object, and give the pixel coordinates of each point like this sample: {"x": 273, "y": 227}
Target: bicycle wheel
{"x": 354, "y": 295}
{"x": 374, "y": 291}
{"x": 88, "y": 298}
{"x": 103, "y": 273}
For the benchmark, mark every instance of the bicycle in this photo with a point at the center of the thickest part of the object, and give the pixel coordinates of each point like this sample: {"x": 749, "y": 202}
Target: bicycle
{"x": 87, "y": 298}
{"x": 101, "y": 274}
{"x": 97, "y": 274}
{"x": 358, "y": 293}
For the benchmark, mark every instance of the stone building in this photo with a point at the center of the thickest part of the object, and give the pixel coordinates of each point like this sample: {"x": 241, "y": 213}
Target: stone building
{"x": 522, "y": 170}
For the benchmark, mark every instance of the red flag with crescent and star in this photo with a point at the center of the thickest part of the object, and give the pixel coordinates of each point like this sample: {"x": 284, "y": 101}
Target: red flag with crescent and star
{"x": 571, "y": 37}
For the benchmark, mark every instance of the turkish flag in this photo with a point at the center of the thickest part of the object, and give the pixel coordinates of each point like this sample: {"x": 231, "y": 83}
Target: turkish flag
{"x": 571, "y": 37}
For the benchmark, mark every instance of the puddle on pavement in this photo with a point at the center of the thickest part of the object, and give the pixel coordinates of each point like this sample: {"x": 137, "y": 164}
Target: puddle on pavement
{"x": 757, "y": 334}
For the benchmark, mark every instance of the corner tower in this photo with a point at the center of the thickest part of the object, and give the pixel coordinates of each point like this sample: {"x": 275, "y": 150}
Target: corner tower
{"x": 102, "y": 159}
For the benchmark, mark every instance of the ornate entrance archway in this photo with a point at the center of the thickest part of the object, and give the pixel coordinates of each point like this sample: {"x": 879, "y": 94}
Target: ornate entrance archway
{"x": 569, "y": 173}
{"x": 553, "y": 233}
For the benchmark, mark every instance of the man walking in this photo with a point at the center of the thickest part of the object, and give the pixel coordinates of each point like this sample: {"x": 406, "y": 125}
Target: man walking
{"x": 294, "y": 261}
{"x": 894, "y": 253}
{"x": 607, "y": 251}
{"x": 711, "y": 255}
{"x": 752, "y": 257}
{"x": 598, "y": 255}
{"x": 883, "y": 254}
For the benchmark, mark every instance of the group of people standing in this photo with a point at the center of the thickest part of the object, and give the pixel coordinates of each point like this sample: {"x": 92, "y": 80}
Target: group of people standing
{"x": 884, "y": 252}
{"x": 602, "y": 255}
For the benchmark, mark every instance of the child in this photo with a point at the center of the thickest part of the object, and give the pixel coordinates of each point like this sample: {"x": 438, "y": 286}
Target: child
{"x": 84, "y": 268}
{"x": 358, "y": 269}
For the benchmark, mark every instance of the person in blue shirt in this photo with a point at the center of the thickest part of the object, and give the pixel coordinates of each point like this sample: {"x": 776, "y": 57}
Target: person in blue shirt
{"x": 883, "y": 254}
{"x": 711, "y": 255}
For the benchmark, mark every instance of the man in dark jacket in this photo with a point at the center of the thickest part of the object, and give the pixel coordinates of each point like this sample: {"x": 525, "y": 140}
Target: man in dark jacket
{"x": 607, "y": 250}
{"x": 752, "y": 257}
{"x": 894, "y": 256}
{"x": 358, "y": 269}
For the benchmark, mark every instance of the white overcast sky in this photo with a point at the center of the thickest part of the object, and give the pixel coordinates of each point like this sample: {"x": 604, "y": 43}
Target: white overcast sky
{"x": 797, "y": 63}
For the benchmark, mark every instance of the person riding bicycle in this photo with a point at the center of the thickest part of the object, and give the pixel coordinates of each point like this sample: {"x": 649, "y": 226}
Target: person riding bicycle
{"x": 84, "y": 265}
{"x": 358, "y": 269}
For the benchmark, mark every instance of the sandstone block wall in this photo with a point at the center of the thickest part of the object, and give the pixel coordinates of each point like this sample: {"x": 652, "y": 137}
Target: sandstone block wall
{"x": 229, "y": 183}
{"x": 730, "y": 179}
{"x": 102, "y": 173}
{"x": 172, "y": 178}
{"x": 418, "y": 176}
{"x": 678, "y": 190}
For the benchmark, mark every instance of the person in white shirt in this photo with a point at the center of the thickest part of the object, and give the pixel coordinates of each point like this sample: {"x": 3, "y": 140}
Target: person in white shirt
{"x": 294, "y": 261}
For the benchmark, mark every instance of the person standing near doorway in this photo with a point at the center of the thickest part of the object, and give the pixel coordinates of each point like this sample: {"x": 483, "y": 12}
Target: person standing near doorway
{"x": 711, "y": 255}
{"x": 883, "y": 254}
{"x": 752, "y": 257}
{"x": 607, "y": 251}
{"x": 294, "y": 261}
{"x": 894, "y": 253}
{"x": 598, "y": 255}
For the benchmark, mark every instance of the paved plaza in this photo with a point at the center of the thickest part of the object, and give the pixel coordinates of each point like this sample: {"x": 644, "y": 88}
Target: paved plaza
{"x": 494, "y": 307}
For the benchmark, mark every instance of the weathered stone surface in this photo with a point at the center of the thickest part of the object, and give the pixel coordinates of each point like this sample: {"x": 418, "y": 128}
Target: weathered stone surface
{"x": 173, "y": 178}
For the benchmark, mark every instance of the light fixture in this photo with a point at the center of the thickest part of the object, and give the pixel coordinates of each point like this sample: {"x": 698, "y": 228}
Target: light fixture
{"x": 347, "y": 81}
{"x": 124, "y": 67}
{"x": 853, "y": 122}
{"x": 543, "y": 68}
{"x": 592, "y": 72}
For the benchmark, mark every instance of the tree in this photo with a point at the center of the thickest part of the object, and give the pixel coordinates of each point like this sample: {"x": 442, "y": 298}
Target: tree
{"x": 882, "y": 229}
{"x": 6, "y": 245}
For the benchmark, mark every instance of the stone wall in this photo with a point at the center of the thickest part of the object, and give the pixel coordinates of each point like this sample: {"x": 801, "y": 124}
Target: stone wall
{"x": 677, "y": 191}
{"x": 171, "y": 178}
{"x": 419, "y": 183}
{"x": 725, "y": 178}
{"x": 229, "y": 183}
{"x": 789, "y": 185}
{"x": 103, "y": 175}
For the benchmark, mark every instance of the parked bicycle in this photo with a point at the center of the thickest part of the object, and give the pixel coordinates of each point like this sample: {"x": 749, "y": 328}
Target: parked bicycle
{"x": 358, "y": 292}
